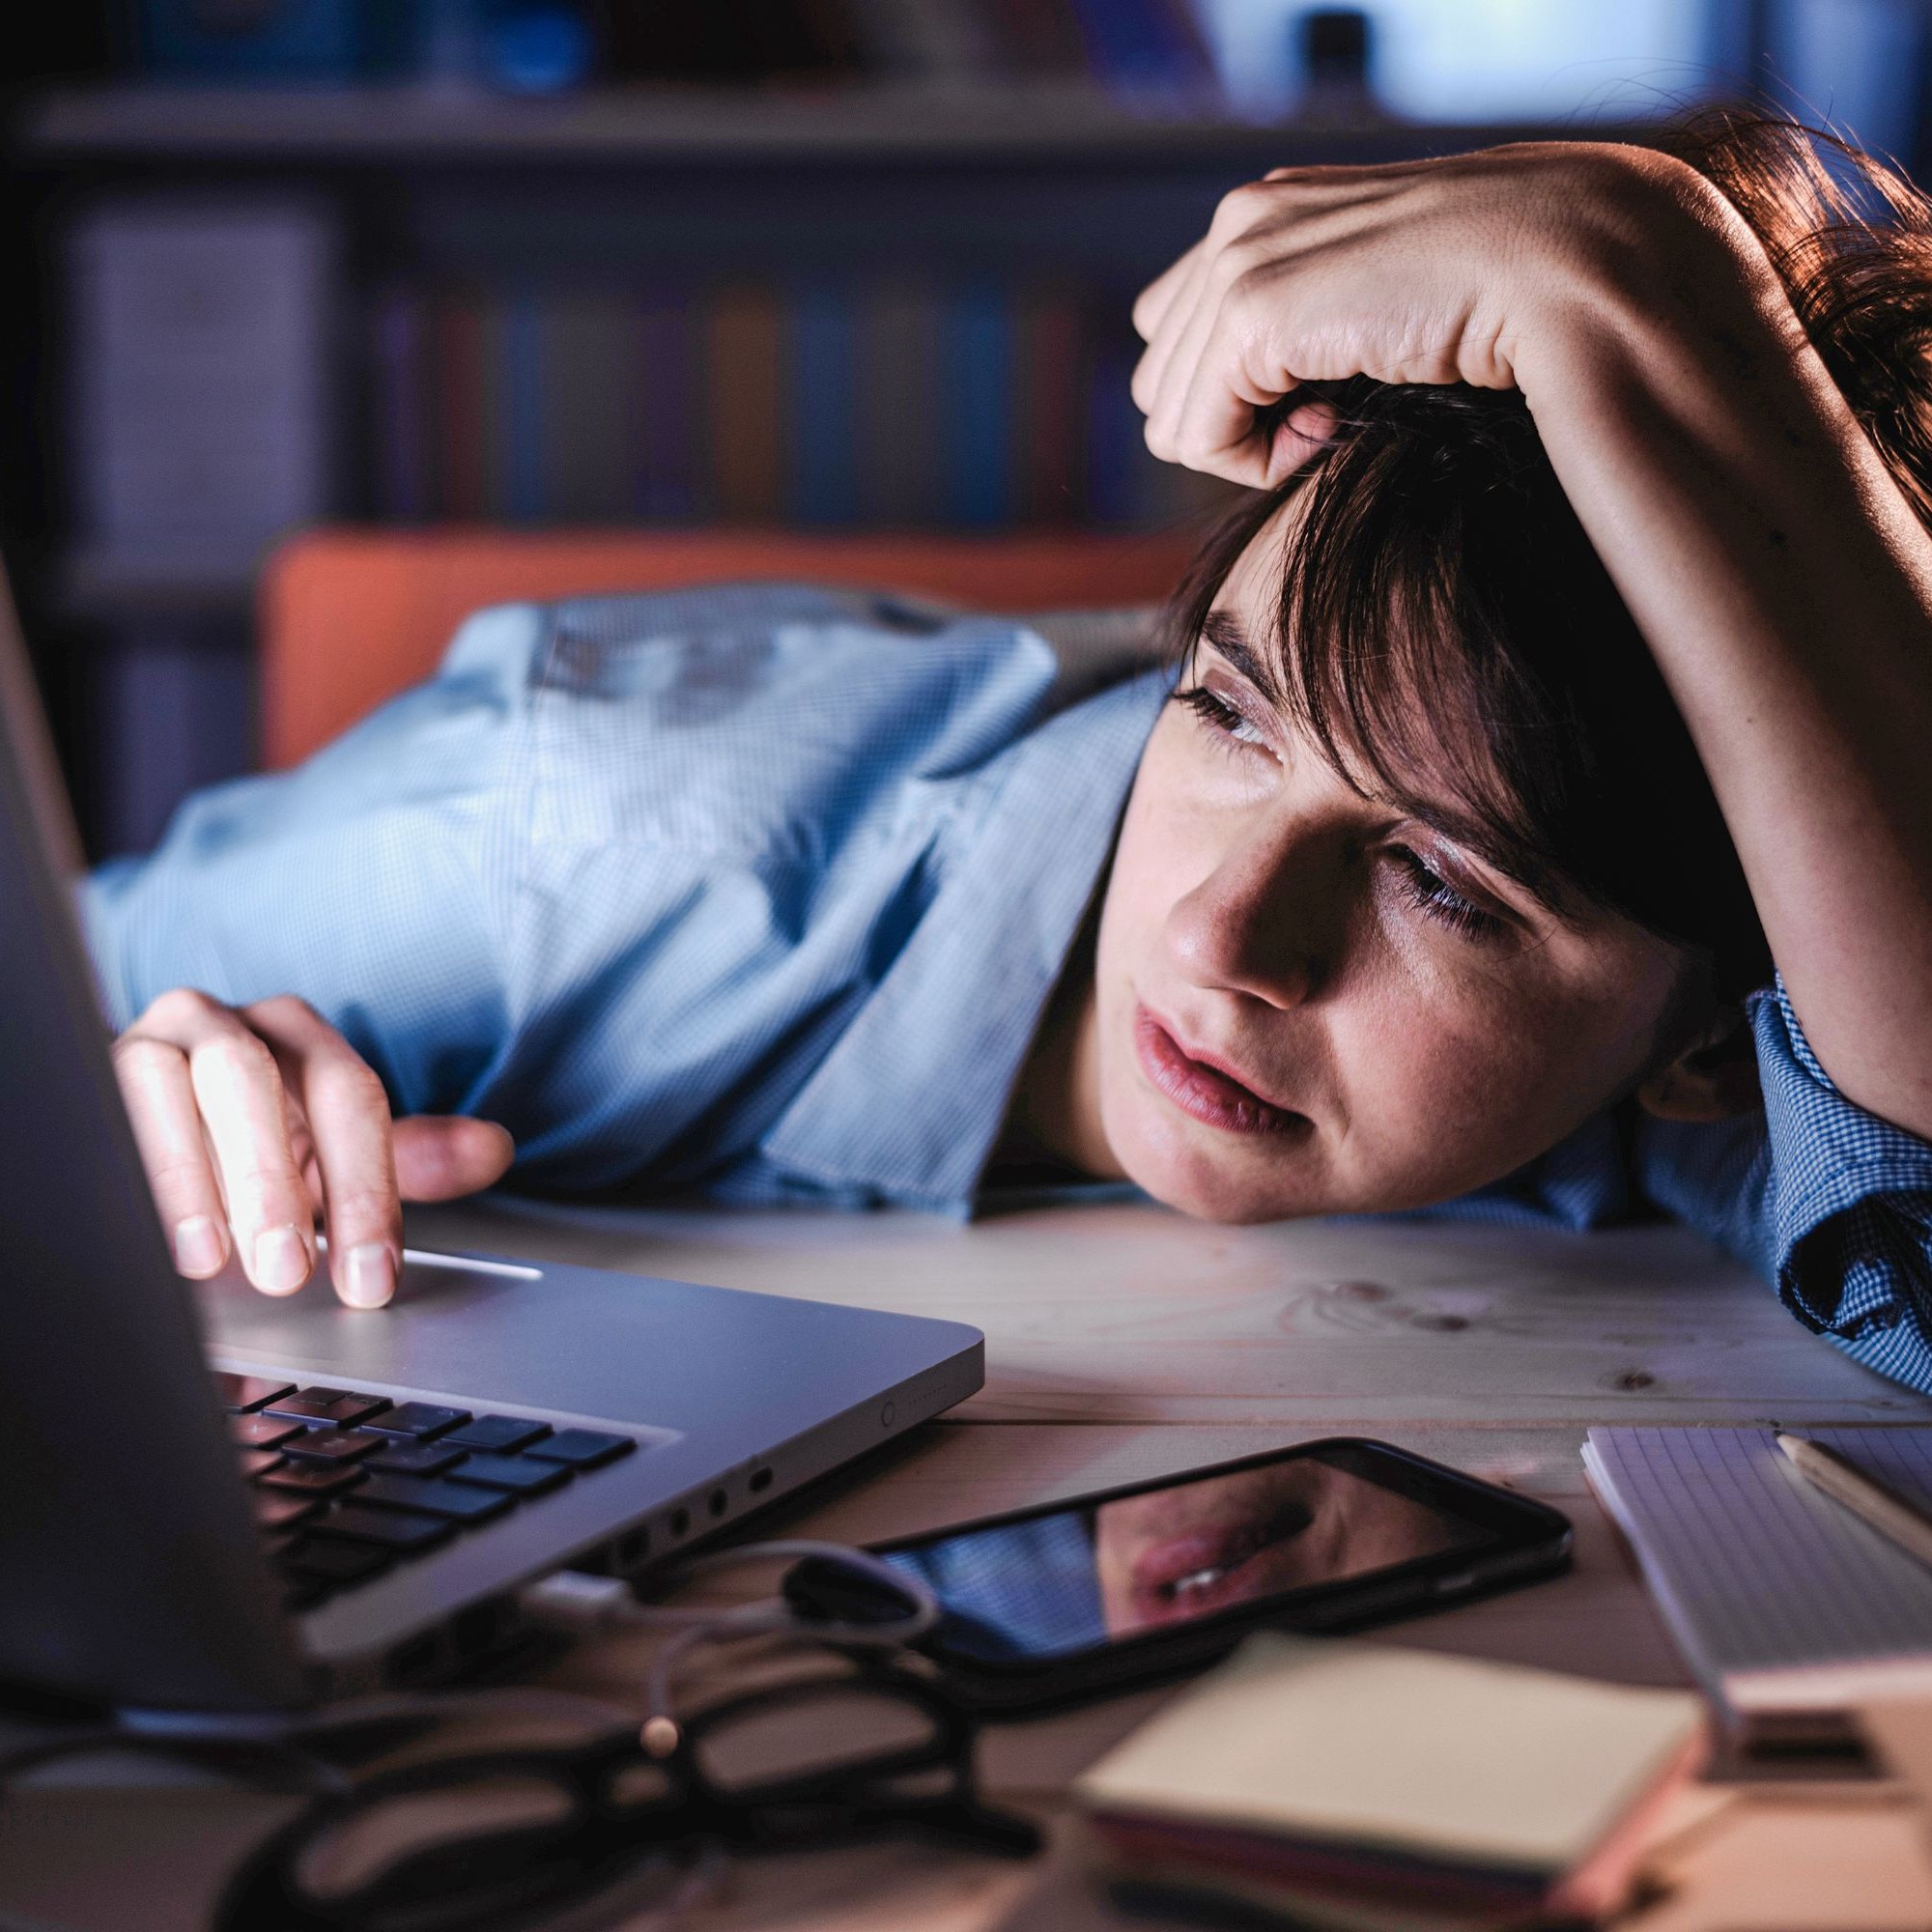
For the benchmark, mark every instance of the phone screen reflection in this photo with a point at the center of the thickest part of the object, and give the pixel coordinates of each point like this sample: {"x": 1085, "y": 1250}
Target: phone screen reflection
{"x": 1169, "y": 1554}
{"x": 1061, "y": 1581}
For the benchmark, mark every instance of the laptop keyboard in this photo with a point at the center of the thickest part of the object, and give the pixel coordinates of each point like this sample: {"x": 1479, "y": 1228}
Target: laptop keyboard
{"x": 345, "y": 1485}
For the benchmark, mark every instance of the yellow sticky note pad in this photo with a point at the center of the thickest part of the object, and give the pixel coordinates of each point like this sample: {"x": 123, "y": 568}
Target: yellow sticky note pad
{"x": 1402, "y": 1750}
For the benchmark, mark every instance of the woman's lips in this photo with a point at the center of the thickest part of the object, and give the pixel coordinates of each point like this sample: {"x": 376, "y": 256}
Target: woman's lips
{"x": 1197, "y": 1571}
{"x": 1178, "y": 1562}
{"x": 1206, "y": 1093}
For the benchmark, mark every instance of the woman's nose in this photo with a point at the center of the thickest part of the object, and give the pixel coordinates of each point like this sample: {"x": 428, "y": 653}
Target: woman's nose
{"x": 1256, "y": 923}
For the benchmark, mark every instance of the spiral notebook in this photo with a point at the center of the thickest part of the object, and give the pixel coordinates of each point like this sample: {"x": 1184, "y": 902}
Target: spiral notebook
{"x": 1789, "y": 1608}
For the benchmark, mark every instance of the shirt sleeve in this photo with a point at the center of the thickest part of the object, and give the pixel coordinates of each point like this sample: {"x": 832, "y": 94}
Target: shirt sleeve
{"x": 1830, "y": 1203}
{"x": 373, "y": 881}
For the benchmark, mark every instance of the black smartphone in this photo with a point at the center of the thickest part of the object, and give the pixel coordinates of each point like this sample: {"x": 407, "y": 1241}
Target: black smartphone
{"x": 1045, "y": 1605}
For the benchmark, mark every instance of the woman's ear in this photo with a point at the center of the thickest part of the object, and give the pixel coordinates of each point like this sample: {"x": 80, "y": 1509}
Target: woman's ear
{"x": 1713, "y": 1079}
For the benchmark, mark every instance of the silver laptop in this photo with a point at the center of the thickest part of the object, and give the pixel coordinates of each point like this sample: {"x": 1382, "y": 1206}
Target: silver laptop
{"x": 350, "y": 1499}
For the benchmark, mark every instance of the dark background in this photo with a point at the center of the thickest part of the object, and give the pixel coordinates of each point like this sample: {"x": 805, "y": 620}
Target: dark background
{"x": 775, "y": 188}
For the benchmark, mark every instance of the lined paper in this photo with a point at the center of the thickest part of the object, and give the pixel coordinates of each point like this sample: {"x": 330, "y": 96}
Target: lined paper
{"x": 1757, "y": 1571}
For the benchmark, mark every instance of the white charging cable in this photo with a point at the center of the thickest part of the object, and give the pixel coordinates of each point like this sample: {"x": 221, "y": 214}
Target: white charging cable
{"x": 582, "y": 1604}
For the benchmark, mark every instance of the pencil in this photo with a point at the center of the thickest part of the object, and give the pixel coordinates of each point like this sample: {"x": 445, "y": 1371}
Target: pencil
{"x": 1868, "y": 1499}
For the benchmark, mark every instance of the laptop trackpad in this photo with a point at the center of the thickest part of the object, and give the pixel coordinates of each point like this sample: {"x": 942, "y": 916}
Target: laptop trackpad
{"x": 624, "y": 1348}
{"x": 485, "y": 1331}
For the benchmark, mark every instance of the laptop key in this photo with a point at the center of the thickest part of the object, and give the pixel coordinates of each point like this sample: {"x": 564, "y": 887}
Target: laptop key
{"x": 329, "y": 1445}
{"x": 332, "y": 1562}
{"x": 416, "y": 1418}
{"x": 275, "y": 1511}
{"x": 260, "y": 1432}
{"x": 241, "y": 1393}
{"x": 341, "y": 1406}
{"x": 399, "y": 1530}
{"x": 582, "y": 1448}
{"x": 312, "y": 1479}
{"x": 317, "y": 1392}
{"x": 406, "y": 1457}
{"x": 501, "y": 1434}
{"x": 511, "y": 1473}
{"x": 257, "y": 1461}
{"x": 461, "y": 1502}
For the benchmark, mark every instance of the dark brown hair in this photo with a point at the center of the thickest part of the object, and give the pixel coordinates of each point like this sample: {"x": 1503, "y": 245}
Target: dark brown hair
{"x": 1448, "y": 637}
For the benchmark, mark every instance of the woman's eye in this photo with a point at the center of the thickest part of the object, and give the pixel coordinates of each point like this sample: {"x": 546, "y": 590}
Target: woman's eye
{"x": 1218, "y": 715}
{"x": 1430, "y": 893}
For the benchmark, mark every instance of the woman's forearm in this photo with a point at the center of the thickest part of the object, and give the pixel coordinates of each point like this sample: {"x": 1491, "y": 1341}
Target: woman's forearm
{"x": 1786, "y": 586}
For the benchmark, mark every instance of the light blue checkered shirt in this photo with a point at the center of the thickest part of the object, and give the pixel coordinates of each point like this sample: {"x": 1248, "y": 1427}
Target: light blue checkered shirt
{"x": 758, "y": 892}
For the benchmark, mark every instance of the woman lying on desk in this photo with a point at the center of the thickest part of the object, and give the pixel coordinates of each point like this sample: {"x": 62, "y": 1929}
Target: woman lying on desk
{"x": 1569, "y": 670}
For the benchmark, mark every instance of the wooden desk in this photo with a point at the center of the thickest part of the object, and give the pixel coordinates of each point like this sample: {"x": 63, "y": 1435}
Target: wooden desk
{"x": 1125, "y": 1342}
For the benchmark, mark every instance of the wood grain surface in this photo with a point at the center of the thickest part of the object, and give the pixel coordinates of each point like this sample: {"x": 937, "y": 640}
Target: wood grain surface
{"x": 1126, "y": 1314}
{"x": 1122, "y": 1342}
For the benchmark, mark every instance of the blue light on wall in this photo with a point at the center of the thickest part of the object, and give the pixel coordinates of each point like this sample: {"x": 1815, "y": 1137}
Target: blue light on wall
{"x": 1856, "y": 63}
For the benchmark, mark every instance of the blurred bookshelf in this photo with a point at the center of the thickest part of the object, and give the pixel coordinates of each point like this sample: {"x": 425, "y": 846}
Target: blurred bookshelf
{"x": 1023, "y": 120}
{"x": 881, "y": 278}
{"x": 887, "y": 308}
{"x": 890, "y": 307}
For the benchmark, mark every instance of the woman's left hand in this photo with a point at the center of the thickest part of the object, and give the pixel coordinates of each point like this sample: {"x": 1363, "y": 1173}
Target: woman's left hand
{"x": 1423, "y": 271}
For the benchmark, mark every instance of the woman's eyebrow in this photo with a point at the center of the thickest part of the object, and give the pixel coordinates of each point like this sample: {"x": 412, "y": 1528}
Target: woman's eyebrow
{"x": 1223, "y": 630}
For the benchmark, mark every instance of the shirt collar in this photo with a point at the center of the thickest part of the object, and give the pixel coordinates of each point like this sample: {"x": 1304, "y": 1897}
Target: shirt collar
{"x": 909, "y": 1103}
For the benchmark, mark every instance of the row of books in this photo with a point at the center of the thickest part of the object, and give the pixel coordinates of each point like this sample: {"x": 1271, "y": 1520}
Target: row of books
{"x": 1123, "y": 44}
{"x": 893, "y": 403}
{"x": 546, "y": 45}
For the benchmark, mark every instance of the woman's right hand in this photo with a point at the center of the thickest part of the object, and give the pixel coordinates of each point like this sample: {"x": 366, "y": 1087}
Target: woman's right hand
{"x": 257, "y": 1122}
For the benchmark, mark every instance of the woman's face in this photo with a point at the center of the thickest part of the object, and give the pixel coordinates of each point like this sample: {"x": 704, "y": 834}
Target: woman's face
{"x": 1307, "y": 1002}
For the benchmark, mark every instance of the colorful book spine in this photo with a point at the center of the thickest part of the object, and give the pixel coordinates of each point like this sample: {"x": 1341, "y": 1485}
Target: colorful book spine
{"x": 897, "y": 406}
{"x": 975, "y": 407}
{"x": 304, "y": 41}
{"x": 669, "y": 478}
{"x": 746, "y": 391}
{"x": 1049, "y": 406}
{"x": 1143, "y": 48}
{"x": 823, "y": 417}
{"x": 399, "y": 376}
{"x": 1116, "y": 448}
{"x": 494, "y": 403}
{"x": 896, "y": 402}
{"x": 461, "y": 406}
{"x": 1038, "y": 37}
{"x": 520, "y": 420}
{"x": 590, "y": 427}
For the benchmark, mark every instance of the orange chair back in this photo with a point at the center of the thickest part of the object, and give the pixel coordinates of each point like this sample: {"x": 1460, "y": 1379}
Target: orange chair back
{"x": 349, "y": 617}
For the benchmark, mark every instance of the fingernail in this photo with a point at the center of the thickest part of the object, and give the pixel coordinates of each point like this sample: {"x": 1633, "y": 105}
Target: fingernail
{"x": 281, "y": 1261}
{"x": 198, "y": 1245}
{"x": 369, "y": 1275}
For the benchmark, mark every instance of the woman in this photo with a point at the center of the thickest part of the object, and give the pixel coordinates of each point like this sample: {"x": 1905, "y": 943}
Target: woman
{"x": 1568, "y": 670}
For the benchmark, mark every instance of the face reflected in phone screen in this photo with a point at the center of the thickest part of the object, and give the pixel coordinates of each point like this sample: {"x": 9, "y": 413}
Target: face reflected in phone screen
{"x": 1064, "y": 1582}
{"x": 1166, "y": 1555}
